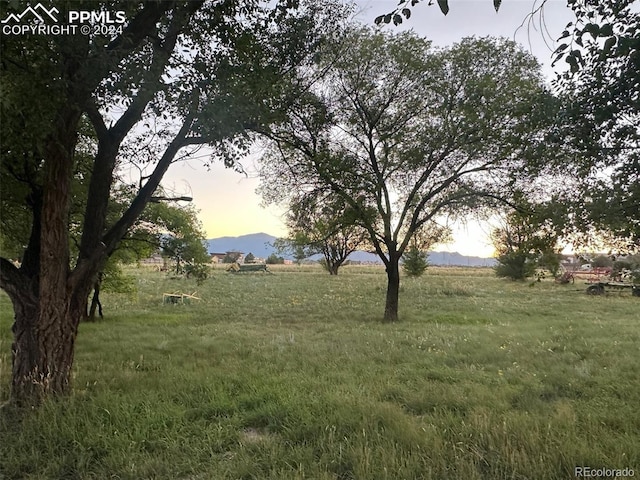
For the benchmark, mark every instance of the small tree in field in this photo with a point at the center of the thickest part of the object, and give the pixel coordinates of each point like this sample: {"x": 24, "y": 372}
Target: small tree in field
{"x": 320, "y": 223}
{"x": 515, "y": 265}
{"x": 416, "y": 257}
{"x": 415, "y": 262}
{"x": 231, "y": 257}
{"x": 274, "y": 259}
{"x": 181, "y": 238}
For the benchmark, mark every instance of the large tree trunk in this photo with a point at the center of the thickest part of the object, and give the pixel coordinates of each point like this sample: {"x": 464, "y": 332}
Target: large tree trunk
{"x": 393, "y": 290}
{"x": 42, "y": 351}
{"x": 43, "y": 346}
{"x": 24, "y": 350}
{"x": 47, "y": 316}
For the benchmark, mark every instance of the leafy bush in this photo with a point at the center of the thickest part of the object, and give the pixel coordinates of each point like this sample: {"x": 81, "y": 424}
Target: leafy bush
{"x": 274, "y": 259}
{"x": 231, "y": 257}
{"x": 198, "y": 271}
{"x": 602, "y": 261}
{"x": 515, "y": 265}
{"x": 116, "y": 281}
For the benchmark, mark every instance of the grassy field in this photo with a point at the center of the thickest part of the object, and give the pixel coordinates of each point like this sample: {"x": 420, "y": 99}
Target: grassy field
{"x": 293, "y": 375}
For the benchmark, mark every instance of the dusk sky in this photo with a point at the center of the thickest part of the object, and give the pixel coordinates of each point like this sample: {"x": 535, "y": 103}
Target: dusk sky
{"x": 227, "y": 200}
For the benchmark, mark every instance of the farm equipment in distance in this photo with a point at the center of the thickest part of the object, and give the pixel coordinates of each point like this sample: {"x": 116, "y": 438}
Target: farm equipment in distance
{"x": 599, "y": 280}
{"x": 236, "y": 267}
{"x": 599, "y": 288}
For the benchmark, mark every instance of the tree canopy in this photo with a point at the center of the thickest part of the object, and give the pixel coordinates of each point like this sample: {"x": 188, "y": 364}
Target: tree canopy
{"x": 602, "y": 119}
{"x": 318, "y": 224}
{"x": 527, "y": 239}
{"x": 601, "y": 48}
{"x": 404, "y": 133}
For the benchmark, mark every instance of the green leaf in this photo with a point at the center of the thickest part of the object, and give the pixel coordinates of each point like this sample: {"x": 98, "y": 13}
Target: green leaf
{"x": 496, "y": 4}
{"x": 444, "y": 6}
{"x": 606, "y": 30}
{"x": 593, "y": 29}
{"x": 406, "y": 12}
{"x": 577, "y": 54}
{"x": 573, "y": 63}
{"x": 397, "y": 19}
{"x": 387, "y": 18}
{"x": 561, "y": 48}
{"x": 608, "y": 45}
{"x": 379, "y": 19}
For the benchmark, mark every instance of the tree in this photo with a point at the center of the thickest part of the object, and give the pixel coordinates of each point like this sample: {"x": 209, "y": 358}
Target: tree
{"x": 317, "y": 222}
{"x": 402, "y": 10}
{"x": 178, "y": 75}
{"x": 274, "y": 259}
{"x": 416, "y": 258}
{"x": 404, "y": 134}
{"x": 140, "y": 241}
{"x": 162, "y": 226}
{"x": 231, "y": 257}
{"x": 415, "y": 261}
{"x": 296, "y": 246}
{"x": 602, "y": 48}
{"x": 250, "y": 258}
{"x": 526, "y": 240}
{"x": 181, "y": 238}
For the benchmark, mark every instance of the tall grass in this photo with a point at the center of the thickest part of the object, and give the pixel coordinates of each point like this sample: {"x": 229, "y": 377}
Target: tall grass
{"x": 293, "y": 375}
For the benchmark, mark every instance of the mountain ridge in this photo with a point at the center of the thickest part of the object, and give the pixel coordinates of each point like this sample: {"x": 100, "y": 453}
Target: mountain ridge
{"x": 261, "y": 245}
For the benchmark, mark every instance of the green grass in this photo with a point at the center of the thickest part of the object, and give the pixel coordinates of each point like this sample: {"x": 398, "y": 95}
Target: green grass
{"x": 293, "y": 375}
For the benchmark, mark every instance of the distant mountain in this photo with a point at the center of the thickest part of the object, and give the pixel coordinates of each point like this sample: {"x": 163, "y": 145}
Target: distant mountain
{"x": 457, "y": 259}
{"x": 261, "y": 245}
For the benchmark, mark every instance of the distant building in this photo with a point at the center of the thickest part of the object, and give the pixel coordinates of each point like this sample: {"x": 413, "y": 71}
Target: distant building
{"x": 155, "y": 259}
{"x": 217, "y": 257}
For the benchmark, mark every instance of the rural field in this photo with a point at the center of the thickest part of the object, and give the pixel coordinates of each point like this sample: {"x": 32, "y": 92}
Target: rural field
{"x": 293, "y": 375}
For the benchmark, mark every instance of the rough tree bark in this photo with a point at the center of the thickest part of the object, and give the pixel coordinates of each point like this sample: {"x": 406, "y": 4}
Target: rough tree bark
{"x": 47, "y": 317}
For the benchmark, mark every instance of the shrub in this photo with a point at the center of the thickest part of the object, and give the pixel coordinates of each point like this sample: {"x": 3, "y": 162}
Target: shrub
{"x": 414, "y": 262}
{"x": 199, "y": 271}
{"x": 273, "y": 259}
{"x": 515, "y": 265}
{"x": 602, "y": 261}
